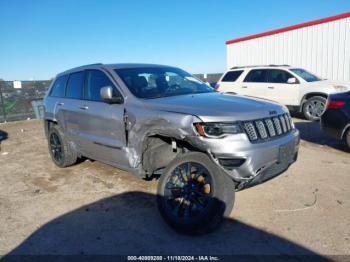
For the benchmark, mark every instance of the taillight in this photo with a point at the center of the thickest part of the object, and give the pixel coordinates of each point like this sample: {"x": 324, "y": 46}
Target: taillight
{"x": 334, "y": 104}
{"x": 217, "y": 87}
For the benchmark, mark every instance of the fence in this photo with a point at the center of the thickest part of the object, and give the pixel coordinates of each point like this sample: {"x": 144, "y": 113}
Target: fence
{"x": 18, "y": 99}
{"x": 212, "y": 79}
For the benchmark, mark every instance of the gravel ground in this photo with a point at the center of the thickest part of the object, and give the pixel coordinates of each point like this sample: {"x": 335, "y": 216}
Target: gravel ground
{"x": 93, "y": 208}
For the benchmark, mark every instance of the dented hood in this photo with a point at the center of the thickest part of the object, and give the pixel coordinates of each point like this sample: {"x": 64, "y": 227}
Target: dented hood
{"x": 212, "y": 107}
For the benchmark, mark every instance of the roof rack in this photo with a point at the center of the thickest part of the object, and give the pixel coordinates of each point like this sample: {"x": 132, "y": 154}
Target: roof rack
{"x": 80, "y": 67}
{"x": 279, "y": 65}
{"x": 250, "y": 66}
{"x": 91, "y": 64}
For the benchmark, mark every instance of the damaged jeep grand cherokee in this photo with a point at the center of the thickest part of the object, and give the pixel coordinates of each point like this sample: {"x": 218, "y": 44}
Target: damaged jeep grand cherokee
{"x": 160, "y": 122}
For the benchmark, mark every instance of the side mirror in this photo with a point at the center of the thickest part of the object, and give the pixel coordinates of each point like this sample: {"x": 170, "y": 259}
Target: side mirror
{"x": 107, "y": 95}
{"x": 292, "y": 80}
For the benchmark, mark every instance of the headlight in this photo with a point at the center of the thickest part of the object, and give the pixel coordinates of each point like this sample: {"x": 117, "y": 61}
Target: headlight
{"x": 340, "y": 88}
{"x": 217, "y": 129}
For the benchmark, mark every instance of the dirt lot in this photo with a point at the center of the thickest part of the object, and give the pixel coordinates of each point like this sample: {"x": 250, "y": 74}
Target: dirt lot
{"x": 92, "y": 208}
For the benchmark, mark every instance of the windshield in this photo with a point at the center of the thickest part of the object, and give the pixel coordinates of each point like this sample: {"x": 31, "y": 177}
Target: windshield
{"x": 155, "y": 82}
{"x": 307, "y": 76}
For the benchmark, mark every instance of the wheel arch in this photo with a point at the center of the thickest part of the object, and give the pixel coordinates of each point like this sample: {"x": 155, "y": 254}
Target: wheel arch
{"x": 308, "y": 96}
{"x": 47, "y": 125}
{"x": 345, "y": 131}
{"x": 158, "y": 150}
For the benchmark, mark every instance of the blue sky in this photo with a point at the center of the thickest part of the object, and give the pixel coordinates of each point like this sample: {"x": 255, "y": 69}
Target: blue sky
{"x": 40, "y": 38}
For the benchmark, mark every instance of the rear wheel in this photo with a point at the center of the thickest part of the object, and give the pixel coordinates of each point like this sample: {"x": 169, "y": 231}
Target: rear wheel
{"x": 314, "y": 107}
{"x": 347, "y": 138}
{"x": 61, "y": 152}
{"x": 194, "y": 194}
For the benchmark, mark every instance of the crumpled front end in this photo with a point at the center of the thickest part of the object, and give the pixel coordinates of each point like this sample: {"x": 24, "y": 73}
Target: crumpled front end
{"x": 151, "y": 138}
{"x": 157, "y": 137}
{"x": 249, "y": 162}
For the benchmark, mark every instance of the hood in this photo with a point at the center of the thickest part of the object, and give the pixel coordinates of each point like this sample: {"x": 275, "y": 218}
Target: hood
{"x": 212, "y": 107}
{"x": 333, "y": 86}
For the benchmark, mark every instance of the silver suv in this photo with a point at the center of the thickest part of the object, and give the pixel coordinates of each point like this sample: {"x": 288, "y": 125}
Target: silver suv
{"x": 160, "y": 122}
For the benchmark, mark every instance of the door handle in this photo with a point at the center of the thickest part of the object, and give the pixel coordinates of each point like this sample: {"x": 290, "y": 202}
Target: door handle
{"x": 271, "y": 87}
{"x": 244, "y": 87}
{"x": 84, "y": 107}
{"x": 60, "y": 104}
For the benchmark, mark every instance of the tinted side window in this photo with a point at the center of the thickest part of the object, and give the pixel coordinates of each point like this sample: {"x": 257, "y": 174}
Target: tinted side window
{"x": 58, "y": 87}
{"x": 95, "y": 80}
{"x": 278, "y": 76}
{"x": 231, "y": 76}
{"x": 256, "y": 75}
{"x": 75, "y": 85}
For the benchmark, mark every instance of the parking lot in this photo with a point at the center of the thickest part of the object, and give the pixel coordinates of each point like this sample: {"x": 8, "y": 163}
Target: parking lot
{"x": 93, "y": 208}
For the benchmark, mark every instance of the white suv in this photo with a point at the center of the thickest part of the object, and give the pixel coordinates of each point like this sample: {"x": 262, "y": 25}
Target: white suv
{"x": 296, "y": 88}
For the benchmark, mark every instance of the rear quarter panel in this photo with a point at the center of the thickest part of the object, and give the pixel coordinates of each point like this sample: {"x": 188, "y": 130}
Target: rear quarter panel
{"x": 227, "y": 87}
{"x": 233, "y": 87}
{"x": 49, "y": 103}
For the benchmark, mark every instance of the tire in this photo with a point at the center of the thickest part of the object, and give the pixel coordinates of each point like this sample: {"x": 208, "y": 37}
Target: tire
{"x": 193, "y": 210}
{"x": 314, "y": 107}
{"x": 347, "y": 138}
{"x": 60, "y": 150}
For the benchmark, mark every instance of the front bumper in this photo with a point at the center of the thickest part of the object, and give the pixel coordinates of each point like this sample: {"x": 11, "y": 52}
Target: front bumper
{"x": 262, "y": 161}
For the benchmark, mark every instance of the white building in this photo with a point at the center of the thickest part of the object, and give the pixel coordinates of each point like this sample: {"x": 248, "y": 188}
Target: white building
{"x": 321, "y": 46}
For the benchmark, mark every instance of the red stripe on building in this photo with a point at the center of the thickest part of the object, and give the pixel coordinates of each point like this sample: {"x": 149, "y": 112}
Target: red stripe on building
{"x": 289, "y": 28}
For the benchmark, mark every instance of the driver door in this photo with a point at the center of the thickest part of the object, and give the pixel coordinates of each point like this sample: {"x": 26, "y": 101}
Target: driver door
{"x": 101, "y": 125}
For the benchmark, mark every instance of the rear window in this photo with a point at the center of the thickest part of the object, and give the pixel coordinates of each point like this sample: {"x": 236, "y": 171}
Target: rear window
{"x": 232, "y": 76}
{"x": 256, "y": 76}
{"x": 58, "y": 86}
{"x": 75, "y": 85}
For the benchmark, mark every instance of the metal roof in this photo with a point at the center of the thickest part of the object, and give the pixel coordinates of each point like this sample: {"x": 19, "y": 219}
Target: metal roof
{"x": 289, "y": 28}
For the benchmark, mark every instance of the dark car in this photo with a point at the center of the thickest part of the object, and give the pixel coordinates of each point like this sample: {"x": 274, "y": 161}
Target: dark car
{"x": 335, "y": 121}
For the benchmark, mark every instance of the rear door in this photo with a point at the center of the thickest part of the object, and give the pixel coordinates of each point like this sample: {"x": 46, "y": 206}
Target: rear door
{"x": 55, "y": 100}
{"x": 278, "y": 88}
{"x": 101, "y": 125}
{"x": 254, "y": 84}
{"x": 69, "y": 111}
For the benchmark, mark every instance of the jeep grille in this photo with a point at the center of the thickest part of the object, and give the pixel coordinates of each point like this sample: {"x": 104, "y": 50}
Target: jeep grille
{"x": 267, "y": 128}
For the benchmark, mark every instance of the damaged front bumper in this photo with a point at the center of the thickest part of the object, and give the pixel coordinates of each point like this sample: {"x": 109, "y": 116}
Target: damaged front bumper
{"x": 249, "y": 164}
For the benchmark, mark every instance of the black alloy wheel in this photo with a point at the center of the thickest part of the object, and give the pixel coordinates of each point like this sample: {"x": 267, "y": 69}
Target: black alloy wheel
{"x": 194, "y": 194}
{"x": 56, "y": 148}
{"x": 188, "y": 190}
